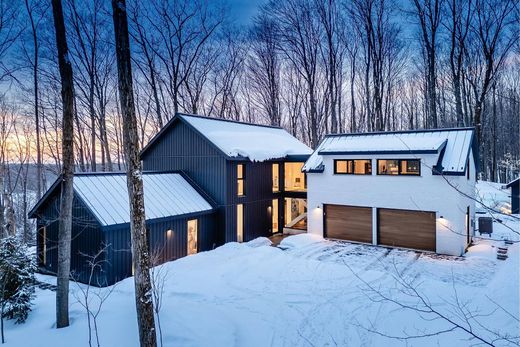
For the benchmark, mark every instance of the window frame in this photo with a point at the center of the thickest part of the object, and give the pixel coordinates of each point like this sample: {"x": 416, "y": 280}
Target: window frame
{"x": 241, "y": 179}
{"x": 353, "y": 167}
{"x": 399, "y": 172}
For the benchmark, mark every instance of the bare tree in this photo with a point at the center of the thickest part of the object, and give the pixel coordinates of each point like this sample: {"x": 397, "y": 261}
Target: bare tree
{"x": 67, "y": 170}
{"x": 140, "y": 254}
{"x": 300, "y": 38}
{"x": 497, "y": 32}
{"x": 428, "y": 12}
{"x": 264, "y": 67}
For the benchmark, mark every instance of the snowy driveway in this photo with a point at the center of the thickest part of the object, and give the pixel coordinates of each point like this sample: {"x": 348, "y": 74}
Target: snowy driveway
{"x": 470, "y": 271}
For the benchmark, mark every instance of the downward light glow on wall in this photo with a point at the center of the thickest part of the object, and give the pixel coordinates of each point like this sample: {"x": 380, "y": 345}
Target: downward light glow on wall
{"x": 169, "y": 233}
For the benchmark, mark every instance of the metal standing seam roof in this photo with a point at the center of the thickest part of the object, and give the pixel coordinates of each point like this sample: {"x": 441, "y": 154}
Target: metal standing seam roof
{"x": 239, "y": 139}
{"x": 165, "y": 195}
{"x": 453, "y": 144}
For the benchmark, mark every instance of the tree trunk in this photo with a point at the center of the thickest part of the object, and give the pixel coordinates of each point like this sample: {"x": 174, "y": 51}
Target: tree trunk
{"x": 141, "y": 261}
{"x": 67, "y": 169}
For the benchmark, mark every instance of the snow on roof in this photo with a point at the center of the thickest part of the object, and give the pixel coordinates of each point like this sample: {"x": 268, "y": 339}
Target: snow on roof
{"x": 378, "y": 144}
{"x": 165, "y": 195}
{"x": 456, "y": 143}
{"x": 256, "y": 142}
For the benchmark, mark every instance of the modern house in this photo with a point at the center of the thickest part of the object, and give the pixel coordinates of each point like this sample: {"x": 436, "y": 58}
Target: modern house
{"x": 207, "y": 182}
{"x": 515, "y": 195}
{"x": 410, "y": 189}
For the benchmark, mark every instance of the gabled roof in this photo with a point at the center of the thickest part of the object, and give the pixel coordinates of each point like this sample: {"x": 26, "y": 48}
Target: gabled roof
{"x": 166, "y": 194}
{"x": 239, "y": 140}
{"x": 452, "y": 145}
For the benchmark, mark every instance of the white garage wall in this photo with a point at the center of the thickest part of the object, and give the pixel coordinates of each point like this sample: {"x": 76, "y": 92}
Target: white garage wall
{"x": 426, "y": 192}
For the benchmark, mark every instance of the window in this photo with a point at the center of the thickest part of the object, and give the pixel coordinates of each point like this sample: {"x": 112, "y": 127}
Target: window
{"x": 240, "y": 179}
{"x": 399, "y": 167}
{"x": 410, "y": 167}
{"x": 294, "y": 177}
{"x": 274, "y": 216}
{"x": 193, "y": 229}
{"x": 353, "y": 167}
{"x": 296, "y": 213}
{"x": 42, "y": 235}
{"x": 240, "y": 223}
{"x": 276, "y": 177}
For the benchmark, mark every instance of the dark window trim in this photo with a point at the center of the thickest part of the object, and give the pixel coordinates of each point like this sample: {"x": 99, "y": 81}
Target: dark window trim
{"x": 399, "y": 173}
{"x": 353, "y": 167}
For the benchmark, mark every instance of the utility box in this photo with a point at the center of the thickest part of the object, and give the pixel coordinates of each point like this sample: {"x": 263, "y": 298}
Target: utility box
{"x": 485, "y": 225}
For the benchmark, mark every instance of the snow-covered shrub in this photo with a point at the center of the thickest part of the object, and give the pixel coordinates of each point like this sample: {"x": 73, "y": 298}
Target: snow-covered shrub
{"x": 16, "y": 279}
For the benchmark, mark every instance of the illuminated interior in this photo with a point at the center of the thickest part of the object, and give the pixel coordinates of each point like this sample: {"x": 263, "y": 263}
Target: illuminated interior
{"x": 240, "y": 180}
{"x": 388, "y": 167}
{"x": 296, "y": 213}
{"x": 353, "y": 167}
{"x": 274, "y": 215}
{"x": 399, "y": 167}
{"x": 192, "y": 236}
{"x": 276, "y": 177}
{"x": 294, "y": 177}
{"x": 240, "y": 223}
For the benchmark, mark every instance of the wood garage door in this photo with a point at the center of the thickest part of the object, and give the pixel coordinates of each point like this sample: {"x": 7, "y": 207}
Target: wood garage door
{"x": 405, "y": 228}
{"x": 350, "y": 223}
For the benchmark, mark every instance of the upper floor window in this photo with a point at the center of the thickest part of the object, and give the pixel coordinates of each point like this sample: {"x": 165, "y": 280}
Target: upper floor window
{"x": 399, "y": 167}
{"x": 276, "y": 177}
{"x": 294, "y": 177}
{"x": 353, "y": 167}
{"x": 240, "y": 179}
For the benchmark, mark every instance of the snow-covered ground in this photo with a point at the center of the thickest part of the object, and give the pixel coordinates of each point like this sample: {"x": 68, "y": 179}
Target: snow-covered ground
{"x": 308, "y": 292}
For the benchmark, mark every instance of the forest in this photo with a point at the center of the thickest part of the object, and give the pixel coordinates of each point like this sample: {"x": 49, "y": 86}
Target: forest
{"x": 311, "y": 66}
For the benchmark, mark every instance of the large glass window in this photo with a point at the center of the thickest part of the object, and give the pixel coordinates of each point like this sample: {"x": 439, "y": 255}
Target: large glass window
{"x": 353, "y": 167}
{"x": 192, "y": 236}
{"x": 240, "y": 179}
{"x": 274, "y": 216}
{"x": 399, "y": 167}
{"x": 294, "y": 177}
{"x": 240, "y": 223}
{"x": 276, "y": 177}
{"x": 296, "y": 213}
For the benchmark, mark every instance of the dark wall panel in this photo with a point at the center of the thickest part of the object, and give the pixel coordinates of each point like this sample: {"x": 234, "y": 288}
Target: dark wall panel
{"x": 163, "y": 248}
{"x": 184, "y": 149}
{"x": 86, "y": 240}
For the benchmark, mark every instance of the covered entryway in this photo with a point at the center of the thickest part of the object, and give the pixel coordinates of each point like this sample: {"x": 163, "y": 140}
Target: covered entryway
{"x": 352, "y": 223}
{"x": 406, "y": 228}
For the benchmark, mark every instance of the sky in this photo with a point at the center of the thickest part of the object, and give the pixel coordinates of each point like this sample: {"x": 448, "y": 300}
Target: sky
{"x": 244, "y": 10}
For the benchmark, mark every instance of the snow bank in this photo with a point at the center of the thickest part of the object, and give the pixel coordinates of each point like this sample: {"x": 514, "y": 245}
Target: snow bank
{"x": 259, "y": 241}
{"x": 299, "y": 241}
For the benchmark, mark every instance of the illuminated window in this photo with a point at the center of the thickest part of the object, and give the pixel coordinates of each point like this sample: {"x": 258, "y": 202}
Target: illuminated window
{"x": 294, "y": 177}
{"x": 399, "y": 167}
{"x": 410, "y": 167}
{"x": 240, "y": 179}
{"x": 276, "y": 177}
{"x": 353, "y": 167}
{"x": 240, "y": 223}
{"x": 296, "y": 213}
{"x": 274, "y": 215}
{"x": 193, "y": 229}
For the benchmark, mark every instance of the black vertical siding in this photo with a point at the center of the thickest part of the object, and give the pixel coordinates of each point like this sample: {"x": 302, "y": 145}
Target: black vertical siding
{"x": 162, "y": 248}
{"x": 184, "y": 149}
{"x": 86, "y": 240}
{"x": 258, "y": 198}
